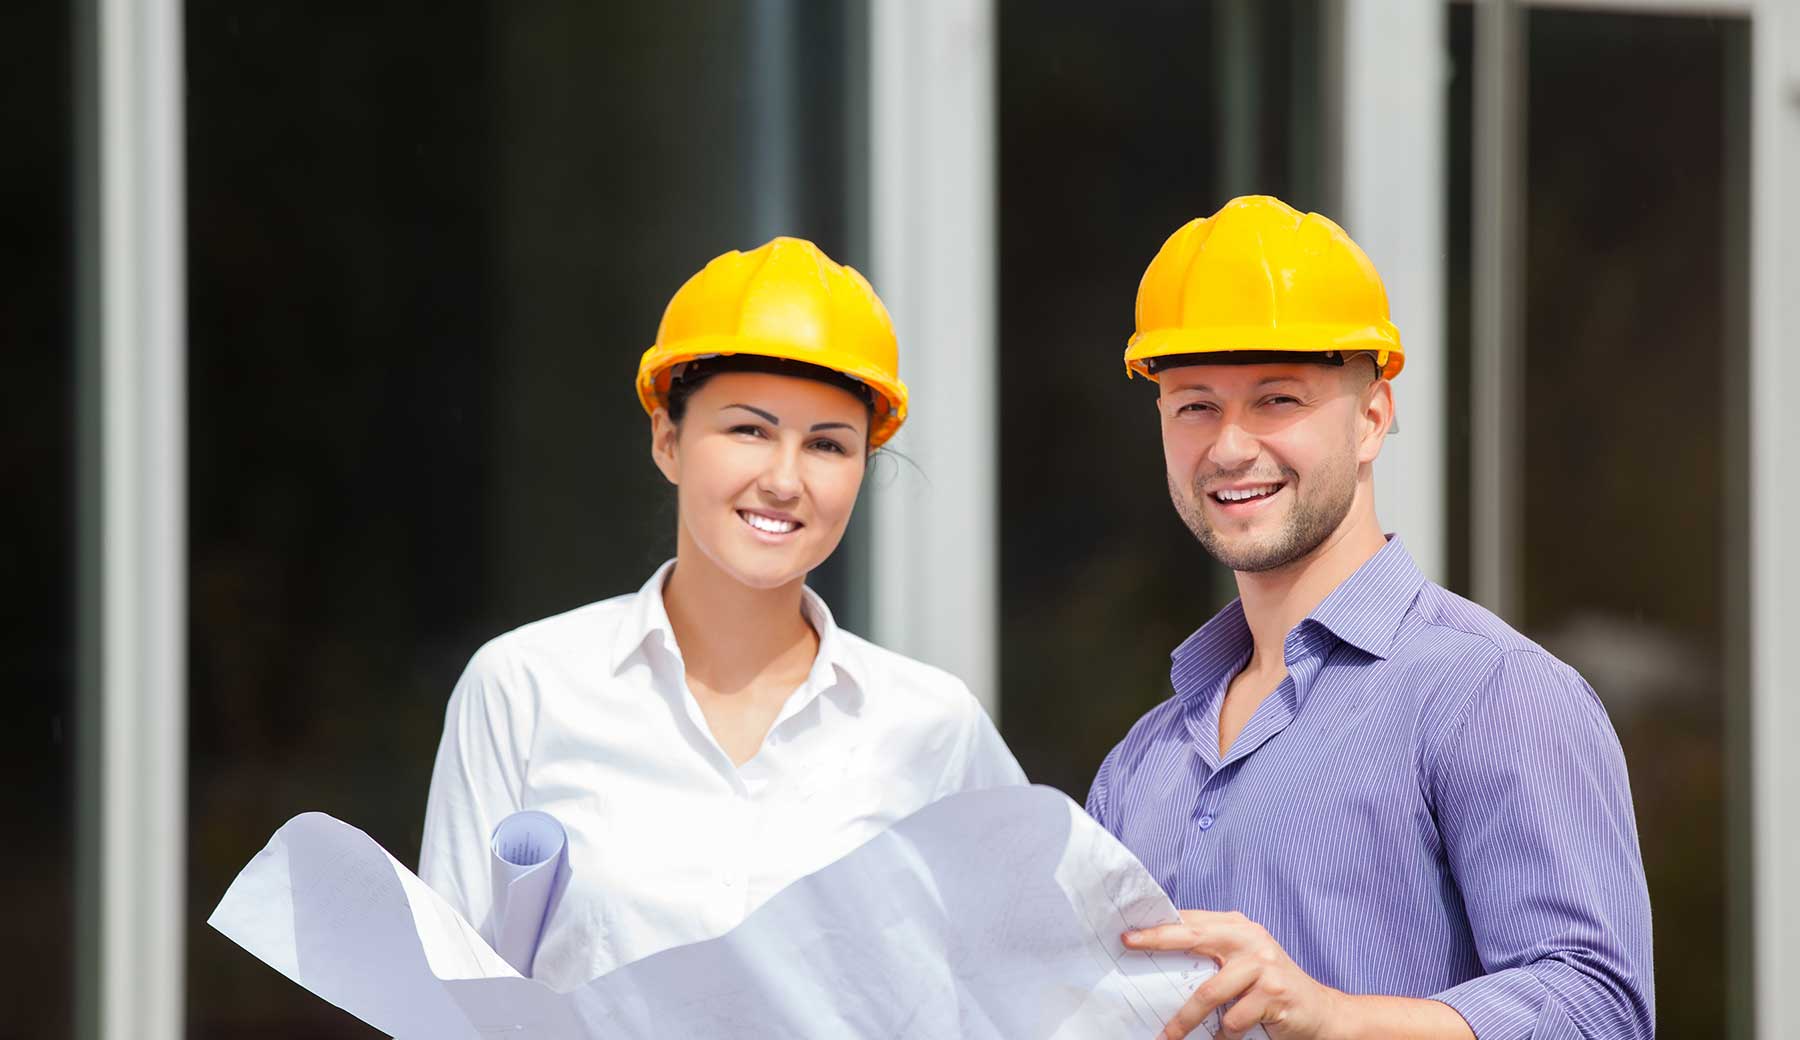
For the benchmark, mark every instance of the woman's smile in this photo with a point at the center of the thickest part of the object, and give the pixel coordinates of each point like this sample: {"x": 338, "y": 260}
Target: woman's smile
{"x": 772, "y": 526}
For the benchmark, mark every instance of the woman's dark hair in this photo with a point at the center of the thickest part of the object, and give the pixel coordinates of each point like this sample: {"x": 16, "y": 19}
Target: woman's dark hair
{"x": 692, "y": 375}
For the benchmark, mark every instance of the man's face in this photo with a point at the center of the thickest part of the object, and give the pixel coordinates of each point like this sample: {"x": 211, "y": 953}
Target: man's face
{"x": 1263, "y": 459}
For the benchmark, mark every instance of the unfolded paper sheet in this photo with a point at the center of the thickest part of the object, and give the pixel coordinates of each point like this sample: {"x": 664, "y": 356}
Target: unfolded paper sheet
{"x": 989, "y": 914}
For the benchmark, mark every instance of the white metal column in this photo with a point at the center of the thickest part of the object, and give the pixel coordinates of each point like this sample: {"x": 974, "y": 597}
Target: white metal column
{"x": 135, "y": 601}
{"x": 1497, "y": 304}
{"x": 1393, "y": 90}
{"x": 1775, "y": 511}
{"x": 932, "y": 199}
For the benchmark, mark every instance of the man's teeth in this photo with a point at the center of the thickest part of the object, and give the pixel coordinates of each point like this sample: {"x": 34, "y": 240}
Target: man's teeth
{"x": 1244, "y": 494}
{"x": 768, "y": 523}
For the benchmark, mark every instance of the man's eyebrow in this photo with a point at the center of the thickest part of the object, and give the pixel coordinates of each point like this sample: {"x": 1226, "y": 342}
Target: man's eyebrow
{"x": 772, "y": 419}
{"x": 816, "y": 427}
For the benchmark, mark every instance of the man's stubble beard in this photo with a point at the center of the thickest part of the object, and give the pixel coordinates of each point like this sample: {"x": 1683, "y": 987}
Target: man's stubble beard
{"x": 1310, "y": 521}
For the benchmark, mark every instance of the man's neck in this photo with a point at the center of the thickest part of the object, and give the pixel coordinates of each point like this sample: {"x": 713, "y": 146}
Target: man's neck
{"x": 1275, "y": 601}
{"x": 730, "y": 633}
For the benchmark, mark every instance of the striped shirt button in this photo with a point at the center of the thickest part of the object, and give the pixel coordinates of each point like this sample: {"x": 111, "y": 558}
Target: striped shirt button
{"x": 1206, "y": 823}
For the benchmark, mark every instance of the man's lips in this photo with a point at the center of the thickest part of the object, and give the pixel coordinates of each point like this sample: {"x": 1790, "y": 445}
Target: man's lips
{"x": 1240, "y": 495}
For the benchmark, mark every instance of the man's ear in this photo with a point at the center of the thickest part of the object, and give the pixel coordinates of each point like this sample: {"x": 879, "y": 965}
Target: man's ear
{"x": 665, "y": 438}
{"x": 1375, "y": 420}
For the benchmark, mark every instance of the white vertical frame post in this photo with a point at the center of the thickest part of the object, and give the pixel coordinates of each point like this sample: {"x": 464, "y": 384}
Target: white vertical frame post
{"x": 1497, "y": 304}
{"x": 1774, "y": 509}
{"x": 934, "y": 567}
{"x": 134, "y": 632}
{"x": 1392, "y": 192}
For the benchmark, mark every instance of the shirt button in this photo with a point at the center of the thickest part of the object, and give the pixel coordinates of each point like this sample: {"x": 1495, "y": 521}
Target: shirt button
{"x": 1206, "y": 823}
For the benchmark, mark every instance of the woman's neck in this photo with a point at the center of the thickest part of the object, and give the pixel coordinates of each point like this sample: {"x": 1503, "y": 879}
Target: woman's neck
{"x": 730, "y": 634}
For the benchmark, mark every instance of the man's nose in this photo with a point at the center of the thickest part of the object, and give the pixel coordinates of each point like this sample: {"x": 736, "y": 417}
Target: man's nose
{"x": 1233, "y": 447}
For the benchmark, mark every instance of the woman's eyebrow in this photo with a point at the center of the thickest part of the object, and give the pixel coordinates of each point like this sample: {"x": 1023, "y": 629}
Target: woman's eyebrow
{"x": 773, "y": 419}
{"x": 816, "y": 427}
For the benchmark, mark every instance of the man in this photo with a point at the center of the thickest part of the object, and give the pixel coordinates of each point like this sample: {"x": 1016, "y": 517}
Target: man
{"x": 1395, "y": 816}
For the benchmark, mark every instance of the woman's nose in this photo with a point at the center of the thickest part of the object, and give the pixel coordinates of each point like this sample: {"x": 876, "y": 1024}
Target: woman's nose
{"x": 781, "y": 478}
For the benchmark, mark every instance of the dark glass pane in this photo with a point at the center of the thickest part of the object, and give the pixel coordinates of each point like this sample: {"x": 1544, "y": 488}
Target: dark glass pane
{"x": 1100, "y": 161}
{"x": 1631, "y": 339}
{"x": 1459, "y": 224}
{"x": 38, "y": 524}
{"x": 428, "y": 244}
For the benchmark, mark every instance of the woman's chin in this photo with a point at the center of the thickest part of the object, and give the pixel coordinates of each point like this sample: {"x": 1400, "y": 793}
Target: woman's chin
{"x": 762, "y": 567}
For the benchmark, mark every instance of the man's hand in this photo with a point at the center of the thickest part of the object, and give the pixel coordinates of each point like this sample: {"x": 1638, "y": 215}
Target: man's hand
{"x": 1254, "y": 971}
{"x": 1270, "y": 989}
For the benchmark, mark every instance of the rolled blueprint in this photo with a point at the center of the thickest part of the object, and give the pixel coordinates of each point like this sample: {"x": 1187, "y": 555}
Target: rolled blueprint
{"x": 530, "y": 870}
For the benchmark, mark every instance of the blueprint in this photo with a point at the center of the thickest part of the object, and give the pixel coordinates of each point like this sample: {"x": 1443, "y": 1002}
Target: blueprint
{"x": 988, "y": 914}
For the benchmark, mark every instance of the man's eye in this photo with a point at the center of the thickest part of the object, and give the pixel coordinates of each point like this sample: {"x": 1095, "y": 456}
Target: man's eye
{"x": 1193, "y": 408}
{"x": 1281, "y": 399}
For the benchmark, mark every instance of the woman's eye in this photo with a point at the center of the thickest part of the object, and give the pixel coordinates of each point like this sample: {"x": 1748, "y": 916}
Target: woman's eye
{"x": 830, "y": 446}
{"x": 754, "y": 431}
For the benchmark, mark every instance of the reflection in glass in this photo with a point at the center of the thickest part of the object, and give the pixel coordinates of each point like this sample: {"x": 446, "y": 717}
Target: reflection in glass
{"x": 427, "y": 247}
{"x": 1631, "y": 341}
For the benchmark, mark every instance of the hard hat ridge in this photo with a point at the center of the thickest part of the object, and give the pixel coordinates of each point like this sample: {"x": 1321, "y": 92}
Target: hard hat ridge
{"x": 1260, "y": 276}
{"x": 785, "y": 299}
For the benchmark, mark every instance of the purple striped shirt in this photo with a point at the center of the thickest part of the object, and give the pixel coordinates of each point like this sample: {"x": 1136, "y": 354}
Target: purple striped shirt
{"x": 1429, "y": 805}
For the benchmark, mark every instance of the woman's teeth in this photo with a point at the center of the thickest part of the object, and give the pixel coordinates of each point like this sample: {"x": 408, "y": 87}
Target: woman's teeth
{"x": 768, "y": 523}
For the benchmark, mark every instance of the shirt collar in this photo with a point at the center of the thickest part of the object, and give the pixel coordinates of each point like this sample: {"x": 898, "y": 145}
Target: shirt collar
{"x": 1365, "y": 610}
{"x": 1214, "y": 653}
{"x": 648, "y": 616}
{"x": 645, "y": 616}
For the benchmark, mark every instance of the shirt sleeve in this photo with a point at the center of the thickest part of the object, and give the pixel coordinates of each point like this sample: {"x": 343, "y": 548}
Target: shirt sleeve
{"x": 1534, "y": 807}
{"x": 1097, "y": 794}
{"x": 982, "y": 759}
{"x": 477, "y": 781}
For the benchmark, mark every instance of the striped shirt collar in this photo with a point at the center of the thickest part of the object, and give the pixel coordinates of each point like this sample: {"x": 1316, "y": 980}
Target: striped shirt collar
{"x": 649, "y": 616}
{"x": 1365, "y": 611}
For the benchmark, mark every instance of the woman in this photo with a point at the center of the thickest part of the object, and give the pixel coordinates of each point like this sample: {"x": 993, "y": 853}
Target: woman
{"x": 714, "y": 736}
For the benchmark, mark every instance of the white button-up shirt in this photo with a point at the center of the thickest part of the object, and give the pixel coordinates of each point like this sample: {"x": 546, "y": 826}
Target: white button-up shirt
{"x": 587, "y": 716}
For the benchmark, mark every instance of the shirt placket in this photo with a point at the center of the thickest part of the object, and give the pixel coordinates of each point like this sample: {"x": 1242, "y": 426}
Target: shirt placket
{"x": 1199, "y": 854}
{"x": 1201, "y": 841}
{"x": 735, "y": 864}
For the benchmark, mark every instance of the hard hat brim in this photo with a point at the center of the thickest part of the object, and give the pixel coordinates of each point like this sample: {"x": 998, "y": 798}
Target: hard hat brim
{"x": 890, "y": 393}
{"x": 1383, "y": 339}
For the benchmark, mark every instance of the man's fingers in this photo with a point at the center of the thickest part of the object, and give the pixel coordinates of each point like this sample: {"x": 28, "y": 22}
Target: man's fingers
{"x": 1228, "y": 985}
{"x": 1162, "y": 937}
{"x": 1217, "y": 935}
{"x": 1244, "y": 1016}
{"x": 1186, "y": 1020}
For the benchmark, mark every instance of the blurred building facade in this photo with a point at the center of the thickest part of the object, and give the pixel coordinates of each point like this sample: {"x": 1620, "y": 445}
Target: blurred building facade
{"x": 321, "y": 324}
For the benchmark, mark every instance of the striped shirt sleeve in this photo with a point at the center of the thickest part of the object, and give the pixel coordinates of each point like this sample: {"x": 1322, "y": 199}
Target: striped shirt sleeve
{"x": 1533, "y": 805}
{"x": 1096, "y": 799}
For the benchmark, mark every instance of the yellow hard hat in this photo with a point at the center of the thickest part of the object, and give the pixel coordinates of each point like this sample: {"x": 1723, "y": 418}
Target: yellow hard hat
{"x": 784, "y": 299}
{"x": 1258, "y": 277}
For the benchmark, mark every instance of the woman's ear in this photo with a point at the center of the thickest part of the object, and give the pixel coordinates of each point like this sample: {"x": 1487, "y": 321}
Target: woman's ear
{"x": 665, "y": 438}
